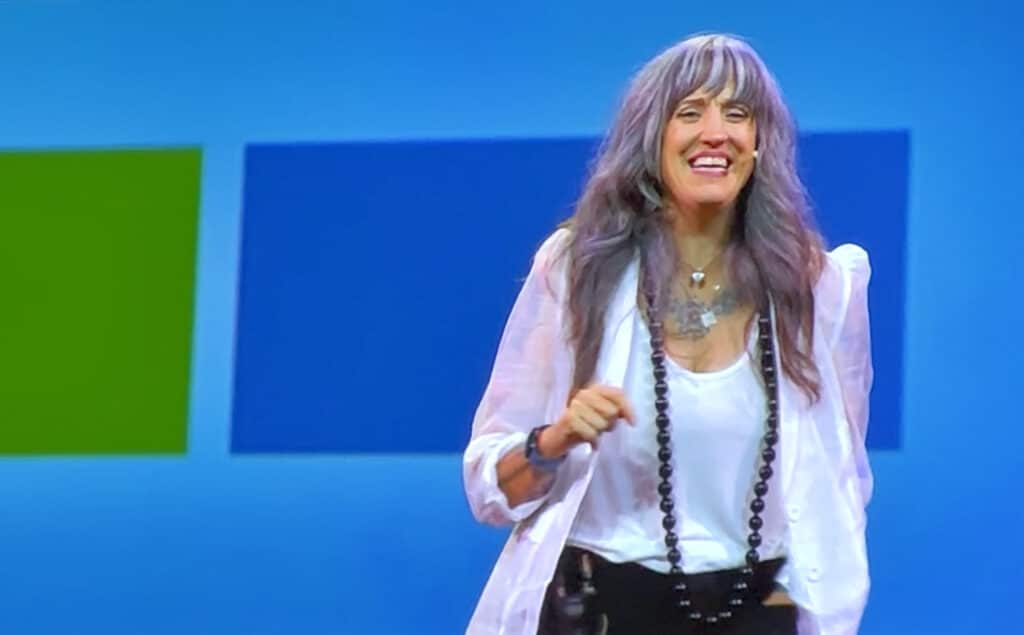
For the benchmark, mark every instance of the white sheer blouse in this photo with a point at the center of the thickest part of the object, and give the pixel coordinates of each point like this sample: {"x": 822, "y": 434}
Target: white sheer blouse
{"x": 823, "y": 479}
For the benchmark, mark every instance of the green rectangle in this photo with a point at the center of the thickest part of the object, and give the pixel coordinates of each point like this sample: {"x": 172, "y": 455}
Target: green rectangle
{"x": 97, "y": 263}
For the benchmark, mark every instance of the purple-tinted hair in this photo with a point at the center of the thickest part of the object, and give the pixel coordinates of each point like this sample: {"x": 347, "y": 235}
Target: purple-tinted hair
{"x": 774, "y": 247}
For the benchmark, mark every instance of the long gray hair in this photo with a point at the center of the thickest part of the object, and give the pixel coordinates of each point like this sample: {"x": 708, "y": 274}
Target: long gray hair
{"x": 773, "y": 246}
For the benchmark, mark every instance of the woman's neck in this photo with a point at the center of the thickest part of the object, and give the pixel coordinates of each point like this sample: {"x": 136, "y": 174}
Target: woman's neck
{"x": 701, "y": 233}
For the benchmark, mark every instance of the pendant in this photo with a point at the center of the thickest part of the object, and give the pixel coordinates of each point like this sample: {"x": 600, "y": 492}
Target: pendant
{"x": 690, "y": 316}
{"x": 697, "y": 278}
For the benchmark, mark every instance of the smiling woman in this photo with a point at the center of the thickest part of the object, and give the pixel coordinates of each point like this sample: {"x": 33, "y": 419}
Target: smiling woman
{"x": 690, "y": 298}
{"x": 708, "y": 150}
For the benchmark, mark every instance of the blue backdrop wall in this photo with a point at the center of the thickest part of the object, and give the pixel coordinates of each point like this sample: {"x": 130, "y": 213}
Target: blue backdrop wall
{"x": 245, "y": 533}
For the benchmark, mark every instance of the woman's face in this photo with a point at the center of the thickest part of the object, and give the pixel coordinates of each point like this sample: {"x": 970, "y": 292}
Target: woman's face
{"x": 707, "y": 150}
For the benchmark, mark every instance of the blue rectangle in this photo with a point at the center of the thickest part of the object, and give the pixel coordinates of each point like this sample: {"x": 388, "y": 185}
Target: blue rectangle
{"x": 376, "y": 278}
{"x": 375, "y": 281}
{"x": 858, "y": 182}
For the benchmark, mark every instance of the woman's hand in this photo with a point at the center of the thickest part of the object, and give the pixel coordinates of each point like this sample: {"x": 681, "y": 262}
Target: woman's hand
{"x": 592, "y": 411}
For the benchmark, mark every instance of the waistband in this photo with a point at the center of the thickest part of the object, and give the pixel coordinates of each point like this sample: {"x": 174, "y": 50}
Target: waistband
{"x": 709, "y": 591}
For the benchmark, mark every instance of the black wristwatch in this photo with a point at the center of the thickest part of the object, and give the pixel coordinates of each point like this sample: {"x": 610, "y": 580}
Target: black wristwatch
{"x": 534, "y": 457}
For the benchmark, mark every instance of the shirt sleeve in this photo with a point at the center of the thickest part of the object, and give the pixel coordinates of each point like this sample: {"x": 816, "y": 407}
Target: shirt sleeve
{"x": 851, "y": 351}
{"x": 532, "y": 355}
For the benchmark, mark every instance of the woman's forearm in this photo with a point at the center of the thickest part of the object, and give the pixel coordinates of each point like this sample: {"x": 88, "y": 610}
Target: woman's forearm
{"x": 520, "y": 481}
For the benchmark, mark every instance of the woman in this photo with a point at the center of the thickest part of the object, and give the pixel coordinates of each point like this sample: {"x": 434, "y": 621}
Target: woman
{"x": 675, "y": 421}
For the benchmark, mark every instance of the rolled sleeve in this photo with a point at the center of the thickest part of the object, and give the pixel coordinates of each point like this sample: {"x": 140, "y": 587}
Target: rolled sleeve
{"x": 532, "y": 353}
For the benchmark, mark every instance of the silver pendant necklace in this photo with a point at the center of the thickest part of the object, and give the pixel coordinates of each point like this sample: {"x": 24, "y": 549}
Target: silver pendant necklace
{"x": 694, "y": 317}
{"x": 698, "y": 277}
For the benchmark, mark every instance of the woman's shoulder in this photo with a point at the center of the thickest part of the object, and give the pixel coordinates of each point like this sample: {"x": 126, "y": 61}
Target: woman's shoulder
{"x": 555, "y": 246}
{"x": 550, "y": 261}
{"x": 843, "y": 265}
{"x": 849, "y": 257}
{"x": 547, "y": 278}
{"x": 844, "y": 271}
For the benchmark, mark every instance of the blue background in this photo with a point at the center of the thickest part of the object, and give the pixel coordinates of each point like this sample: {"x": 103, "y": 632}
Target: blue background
{"x": 385, "y": 270}
{"x": 215, "y": 542}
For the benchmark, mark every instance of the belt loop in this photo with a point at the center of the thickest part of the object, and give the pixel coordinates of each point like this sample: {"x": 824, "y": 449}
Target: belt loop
{"x": 587, "y": 575}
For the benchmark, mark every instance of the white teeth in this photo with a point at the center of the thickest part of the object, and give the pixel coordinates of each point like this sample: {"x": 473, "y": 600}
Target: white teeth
{"x": 710, "y": 162}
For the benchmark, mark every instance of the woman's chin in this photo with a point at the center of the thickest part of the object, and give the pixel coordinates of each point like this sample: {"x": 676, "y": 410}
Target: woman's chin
{"x": 711, "y": 202}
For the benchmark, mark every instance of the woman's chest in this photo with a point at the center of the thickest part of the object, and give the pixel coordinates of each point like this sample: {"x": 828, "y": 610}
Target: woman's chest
{"x": 726, "y": 339}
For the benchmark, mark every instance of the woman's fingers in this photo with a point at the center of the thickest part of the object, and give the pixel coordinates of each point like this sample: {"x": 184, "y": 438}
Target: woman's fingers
{"x": 586, "y": 423}
{"x": 593, "y": 414}
{"x": 595, "y": 410}
{"x": 583, "y": 429}
{"x": 618, "y": 400}
{"x": 605, "y": 407}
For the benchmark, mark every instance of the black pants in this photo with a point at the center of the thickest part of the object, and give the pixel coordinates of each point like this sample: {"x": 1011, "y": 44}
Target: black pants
{"x": 629, "y": 599}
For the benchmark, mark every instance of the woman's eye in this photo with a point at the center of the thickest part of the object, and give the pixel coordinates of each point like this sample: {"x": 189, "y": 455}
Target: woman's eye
{"x": 689, "y": 115}
{"x": 737, "y": 114}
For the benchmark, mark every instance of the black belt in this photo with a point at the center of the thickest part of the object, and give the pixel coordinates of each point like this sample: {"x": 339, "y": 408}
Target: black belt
{"x": 586, "y": 587}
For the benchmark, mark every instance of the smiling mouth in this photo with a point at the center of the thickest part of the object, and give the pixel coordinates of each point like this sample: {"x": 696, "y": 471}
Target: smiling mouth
{"x": 710, "y": 166}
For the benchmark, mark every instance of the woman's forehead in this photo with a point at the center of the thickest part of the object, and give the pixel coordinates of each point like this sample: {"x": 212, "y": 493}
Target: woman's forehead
{"x": 724, "y": 94}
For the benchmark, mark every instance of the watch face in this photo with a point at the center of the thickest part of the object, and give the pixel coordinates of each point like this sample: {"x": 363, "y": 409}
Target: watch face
{"x": 531, "y": 443}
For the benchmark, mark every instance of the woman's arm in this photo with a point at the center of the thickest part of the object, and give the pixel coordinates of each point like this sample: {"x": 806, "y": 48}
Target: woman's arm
{"x": 519, "y": 481}
{"x": 851, "y": 351}
{"x": 531, "y": 364}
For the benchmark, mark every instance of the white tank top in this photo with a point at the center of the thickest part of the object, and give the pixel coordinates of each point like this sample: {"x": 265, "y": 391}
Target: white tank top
{"x": 717, "y": 425}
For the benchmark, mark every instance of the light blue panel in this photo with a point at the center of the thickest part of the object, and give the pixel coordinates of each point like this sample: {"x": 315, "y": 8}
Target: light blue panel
{"x": 248, "y": 546}
{"x": 223, "y": 74}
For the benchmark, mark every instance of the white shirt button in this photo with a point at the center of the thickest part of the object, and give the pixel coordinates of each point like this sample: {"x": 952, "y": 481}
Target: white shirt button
{"x": 814, "y": 574}
{"x": 794, "y": 513}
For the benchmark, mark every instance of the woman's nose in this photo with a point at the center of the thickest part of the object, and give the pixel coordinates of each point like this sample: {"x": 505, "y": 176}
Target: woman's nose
{"x": 714, "y": 128}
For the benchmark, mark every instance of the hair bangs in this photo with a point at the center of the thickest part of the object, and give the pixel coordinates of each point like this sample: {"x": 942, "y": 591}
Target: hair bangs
{"x": 713, "y": 64}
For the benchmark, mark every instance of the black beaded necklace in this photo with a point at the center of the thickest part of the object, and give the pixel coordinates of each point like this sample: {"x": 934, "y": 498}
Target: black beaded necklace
{"x": 771, "y": 437}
